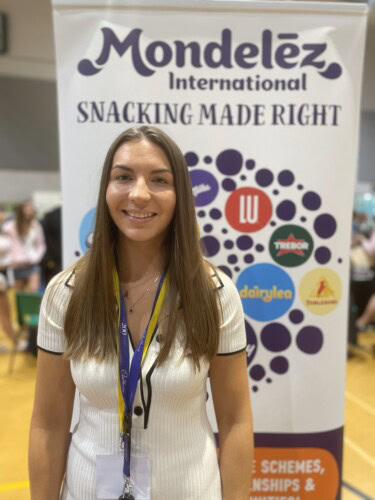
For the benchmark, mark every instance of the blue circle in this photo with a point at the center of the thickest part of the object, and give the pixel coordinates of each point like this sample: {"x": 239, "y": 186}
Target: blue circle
{"x": 267, "y": 291}
{"x": 86, "y": 230}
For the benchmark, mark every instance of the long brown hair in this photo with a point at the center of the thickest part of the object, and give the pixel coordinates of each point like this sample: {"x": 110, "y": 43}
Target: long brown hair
{"x": 90, "y": 325}
{"x": 22, "y": 223}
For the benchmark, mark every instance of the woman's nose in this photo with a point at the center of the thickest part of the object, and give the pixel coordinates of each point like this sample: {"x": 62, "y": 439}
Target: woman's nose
{"x": 140, "y": 191}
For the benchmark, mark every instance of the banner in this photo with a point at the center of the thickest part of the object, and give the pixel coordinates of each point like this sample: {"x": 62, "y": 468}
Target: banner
{"x": 263, "y": 99}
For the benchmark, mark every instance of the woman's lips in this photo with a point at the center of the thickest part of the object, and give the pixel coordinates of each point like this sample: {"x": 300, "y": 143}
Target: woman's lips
{"x": 140, "y": 220}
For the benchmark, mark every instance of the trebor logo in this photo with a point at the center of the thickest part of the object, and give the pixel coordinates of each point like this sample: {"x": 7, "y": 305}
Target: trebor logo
{"x": 275, "y": 50}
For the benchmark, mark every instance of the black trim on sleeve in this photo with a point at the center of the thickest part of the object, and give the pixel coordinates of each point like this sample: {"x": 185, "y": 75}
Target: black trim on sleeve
{"x": 221, "y": 284}
{"x": 229, "y": 353}
{"x": 67, "y": 282}
{"x": 50, "y": 352}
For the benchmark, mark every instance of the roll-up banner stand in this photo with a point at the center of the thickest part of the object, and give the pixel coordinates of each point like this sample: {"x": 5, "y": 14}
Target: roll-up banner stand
{"x": 264, "y": 100}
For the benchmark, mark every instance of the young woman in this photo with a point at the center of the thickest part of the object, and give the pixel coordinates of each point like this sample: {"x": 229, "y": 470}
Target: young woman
{"x": 140, "y": 323}
{"x": 27, "y": 247}
{"x": 5, "y": 249}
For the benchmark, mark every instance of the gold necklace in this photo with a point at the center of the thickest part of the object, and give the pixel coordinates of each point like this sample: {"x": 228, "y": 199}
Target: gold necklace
{"x": 126, "y": 294}
{"x": 127, "y": 289}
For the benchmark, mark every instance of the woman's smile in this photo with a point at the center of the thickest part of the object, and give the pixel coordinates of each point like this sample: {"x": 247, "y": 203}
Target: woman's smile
{"x": 140, "y": 217}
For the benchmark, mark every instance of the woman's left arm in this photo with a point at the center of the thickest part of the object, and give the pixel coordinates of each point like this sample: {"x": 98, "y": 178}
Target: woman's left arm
{"x": 231, "y": 398}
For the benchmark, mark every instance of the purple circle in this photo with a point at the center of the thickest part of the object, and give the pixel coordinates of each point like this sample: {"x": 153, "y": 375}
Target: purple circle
{"x": 279, "y": 364}
{"x": 322, "y": 255}
{"x": 257, "y": 372}
{"x": 224, "y": 231}
{"x": 207, "y": 159}
{"x": 255, "y": 388}
{"x": 286, "y": 210}
{"x": 339, "y": 260}
{"x": 244, "y": 242}
{"x": 204, "y": 186}
{"x": 250, "y": 164}
{"x": 285, "y": 178}
{"x": 249, "y": 258}
{"x": 226, "y": 270}
{"x": 229, "y": 162}
{"x": 269, "y": 380}
{"x": 215, "y": 214}
{"x": 243, "y": 177}
{"x": 275, "y": 337}
{"x": 259, "y": 248}
{"x": 325, "y": 226}
{"x": 228, "y": 185}
{"x": 201, "y": 213}
{"x": 264, "y": 177}
{"x": 211, "y": 245}
{"x": 273, "y": 223}
{"x": 232, "y": 259}
{"x": 303, "y": 219}
{"x": 208, "y": 228}
{"x": 311, "y": 200}
{"x": 77, "y": 253}
{"x": 300, "y": 187}
{"x": 191, "y": 159}
{"x": 237, "y": 269}
{"x": 296, "y": 316}
{"x": 228, "y": 244}
{"x": 275, "y": 191}
{"x": 310, "y": 339}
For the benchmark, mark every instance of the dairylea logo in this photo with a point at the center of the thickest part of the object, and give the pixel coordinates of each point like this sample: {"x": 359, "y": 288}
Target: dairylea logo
{"x": 275, "y": 50}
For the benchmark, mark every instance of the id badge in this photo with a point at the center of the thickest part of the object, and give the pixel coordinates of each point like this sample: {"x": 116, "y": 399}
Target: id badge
{"x": 109, "y": 477}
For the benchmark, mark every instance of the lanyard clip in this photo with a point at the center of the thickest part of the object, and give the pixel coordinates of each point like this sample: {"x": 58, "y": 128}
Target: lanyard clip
{"x": 126, "y": 494}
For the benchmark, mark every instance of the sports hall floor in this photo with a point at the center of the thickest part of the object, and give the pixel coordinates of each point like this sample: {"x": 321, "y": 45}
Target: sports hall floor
{"x": 16, "y": 399}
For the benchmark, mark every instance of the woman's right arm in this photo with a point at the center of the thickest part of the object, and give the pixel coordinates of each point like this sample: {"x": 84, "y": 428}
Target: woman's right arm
{"x": 50, "y": 424}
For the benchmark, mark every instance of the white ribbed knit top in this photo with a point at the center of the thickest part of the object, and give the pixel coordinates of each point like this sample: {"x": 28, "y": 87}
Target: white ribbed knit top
{"x": 170, "y": 424}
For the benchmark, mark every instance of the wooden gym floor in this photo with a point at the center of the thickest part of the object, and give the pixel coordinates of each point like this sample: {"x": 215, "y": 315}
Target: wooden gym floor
{"x": 17, "y": 392}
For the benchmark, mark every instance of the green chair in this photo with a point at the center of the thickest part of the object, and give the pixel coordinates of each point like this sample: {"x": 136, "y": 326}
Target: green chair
{"x": 27, "y": 305}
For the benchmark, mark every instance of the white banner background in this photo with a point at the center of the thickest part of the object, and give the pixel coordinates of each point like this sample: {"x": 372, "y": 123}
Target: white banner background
{"x": 304, "y": 393}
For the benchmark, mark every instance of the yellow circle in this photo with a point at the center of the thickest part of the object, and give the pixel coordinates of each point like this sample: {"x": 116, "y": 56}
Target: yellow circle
{"x": 320, "y": 290}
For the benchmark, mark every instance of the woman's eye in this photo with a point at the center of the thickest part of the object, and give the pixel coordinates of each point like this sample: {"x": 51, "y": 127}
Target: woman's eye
{"x": 122, "y": 177}
{"x": 161, "y": 180}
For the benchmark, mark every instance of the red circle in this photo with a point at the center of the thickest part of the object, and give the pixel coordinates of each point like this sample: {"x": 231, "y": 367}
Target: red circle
{"x": 248, "y": 209}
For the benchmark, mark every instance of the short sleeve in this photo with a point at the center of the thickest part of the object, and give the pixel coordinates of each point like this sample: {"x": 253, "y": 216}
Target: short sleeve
{"x": 51, "y": 318}
{"x": 232, "y": 329}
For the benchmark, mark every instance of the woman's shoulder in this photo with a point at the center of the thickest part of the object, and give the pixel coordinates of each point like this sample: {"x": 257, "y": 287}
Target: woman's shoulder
{"x": 9, "y": 225}
{"x": 59, "y": 288}
{"x": 223, "y": 285}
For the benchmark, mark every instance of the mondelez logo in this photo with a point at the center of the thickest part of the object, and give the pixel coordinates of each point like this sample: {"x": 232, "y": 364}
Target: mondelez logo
{"x": 275, "y": 50}
{"x": 291, "y": 245}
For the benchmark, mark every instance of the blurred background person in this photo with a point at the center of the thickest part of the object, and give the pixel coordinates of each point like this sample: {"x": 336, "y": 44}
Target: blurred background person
{"x": 367, "y": 315}
{"x": 5, "y": 260}
{"x": 52, "y": 260}
{"x": 27, "y": 247}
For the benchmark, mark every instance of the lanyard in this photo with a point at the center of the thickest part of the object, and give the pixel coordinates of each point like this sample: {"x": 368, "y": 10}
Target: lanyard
{"x": 128, "y": 373}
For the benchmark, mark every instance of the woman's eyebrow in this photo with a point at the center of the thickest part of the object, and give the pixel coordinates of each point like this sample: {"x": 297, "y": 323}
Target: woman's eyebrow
{"x": 163, "y": 170}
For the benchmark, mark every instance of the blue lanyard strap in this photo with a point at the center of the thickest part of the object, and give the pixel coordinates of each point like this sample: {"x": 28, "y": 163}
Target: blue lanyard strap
{"x": 129, "y": 373}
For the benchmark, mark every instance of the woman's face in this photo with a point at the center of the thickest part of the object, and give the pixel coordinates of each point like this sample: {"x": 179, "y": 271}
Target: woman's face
{"x": 140, "y": 195}
{"x": 28, "y": 210}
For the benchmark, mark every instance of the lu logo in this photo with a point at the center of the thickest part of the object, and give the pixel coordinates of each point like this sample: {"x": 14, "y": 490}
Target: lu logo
{"x": 249, "y": 209}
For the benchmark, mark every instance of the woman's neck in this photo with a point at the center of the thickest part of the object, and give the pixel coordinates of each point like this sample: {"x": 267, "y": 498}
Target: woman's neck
{"x": 139, "y": 260}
